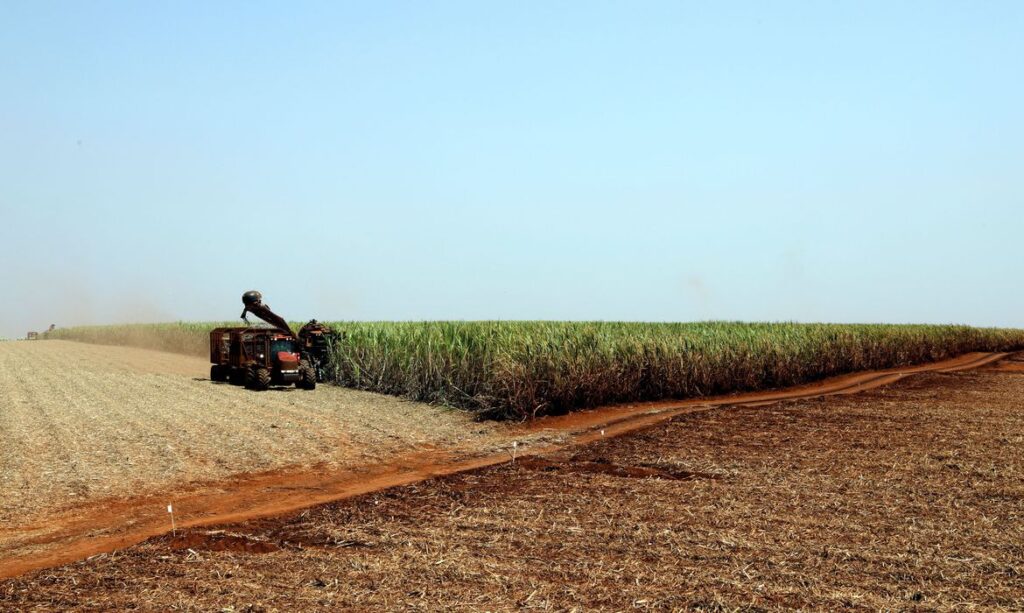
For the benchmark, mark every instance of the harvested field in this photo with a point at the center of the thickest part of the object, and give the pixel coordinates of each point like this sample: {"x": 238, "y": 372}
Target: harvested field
{"x": 908, "y": 496}
{"x": 81, "y": 423}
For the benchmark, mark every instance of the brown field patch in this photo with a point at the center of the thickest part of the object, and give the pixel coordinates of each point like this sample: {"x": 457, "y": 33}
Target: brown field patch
{"x": 902, "y": 497}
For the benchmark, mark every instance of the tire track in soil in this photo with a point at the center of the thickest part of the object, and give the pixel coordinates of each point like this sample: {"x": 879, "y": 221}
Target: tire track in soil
{"x": 108, "y": 525}
{"x": 19, "y": 428}
{"x": 66, "y": 449}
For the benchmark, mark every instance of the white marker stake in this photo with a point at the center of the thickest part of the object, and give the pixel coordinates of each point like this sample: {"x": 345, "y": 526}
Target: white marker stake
{"x": 170, "y": 510}
{"x": 602, "y": 432}
{"x": 515, "y": 444}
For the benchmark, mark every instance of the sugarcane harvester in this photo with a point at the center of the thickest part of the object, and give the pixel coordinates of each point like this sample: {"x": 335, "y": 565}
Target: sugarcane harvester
{"x": 317, "y": 339}
{"x": 259, "y": 357}
{"x": 319, "y": 342}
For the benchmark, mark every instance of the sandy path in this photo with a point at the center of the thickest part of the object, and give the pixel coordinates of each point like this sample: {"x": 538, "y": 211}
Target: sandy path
{"x": 82, "y": 422}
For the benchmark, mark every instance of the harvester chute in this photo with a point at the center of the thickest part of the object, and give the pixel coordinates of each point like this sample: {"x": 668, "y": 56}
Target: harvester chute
{"x": 253, "y": 302}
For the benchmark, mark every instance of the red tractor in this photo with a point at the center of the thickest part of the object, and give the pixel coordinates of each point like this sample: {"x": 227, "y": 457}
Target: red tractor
{"x": 259, "y": 358}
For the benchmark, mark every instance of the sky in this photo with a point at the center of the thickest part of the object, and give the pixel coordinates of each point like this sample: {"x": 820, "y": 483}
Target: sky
{"x": 656, "y": 161}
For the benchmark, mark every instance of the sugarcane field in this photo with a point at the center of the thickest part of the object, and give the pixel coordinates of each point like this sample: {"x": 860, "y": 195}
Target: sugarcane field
{"x": 511, "y": 307}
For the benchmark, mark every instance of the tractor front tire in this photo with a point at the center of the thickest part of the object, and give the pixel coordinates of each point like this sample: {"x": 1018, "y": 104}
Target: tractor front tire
{"x": 307, "y": 380}
{"x": 217, "y": 373}
{"x": 257, "y": 378}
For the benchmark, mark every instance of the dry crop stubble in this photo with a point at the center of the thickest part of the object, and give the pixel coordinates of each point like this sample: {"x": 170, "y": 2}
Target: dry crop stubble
{"x": 82, "y": 422}
{"x": 898, "y": 498}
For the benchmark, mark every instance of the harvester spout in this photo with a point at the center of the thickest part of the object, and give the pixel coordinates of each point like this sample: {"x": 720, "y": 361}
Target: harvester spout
{"x": 253, "y": 302}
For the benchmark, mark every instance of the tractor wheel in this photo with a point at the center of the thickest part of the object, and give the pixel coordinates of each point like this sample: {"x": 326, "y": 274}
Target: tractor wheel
{"x": 236, "y": 376}
{"x": 217, "y": 373}
{"x": 308, "y": 377}
{"x": 257, "y": 378}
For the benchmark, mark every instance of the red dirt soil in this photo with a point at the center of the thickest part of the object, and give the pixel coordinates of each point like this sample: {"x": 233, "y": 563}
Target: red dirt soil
{"x": 109, "y": 525}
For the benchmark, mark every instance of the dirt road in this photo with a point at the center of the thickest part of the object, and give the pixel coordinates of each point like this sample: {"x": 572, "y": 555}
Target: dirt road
{"x": 902, "y": 497}
{"x": 311, "y": 447}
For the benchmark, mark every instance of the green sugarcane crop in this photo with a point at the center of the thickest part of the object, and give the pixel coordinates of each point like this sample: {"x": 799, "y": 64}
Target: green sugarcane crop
{"x": 521, "y": 369}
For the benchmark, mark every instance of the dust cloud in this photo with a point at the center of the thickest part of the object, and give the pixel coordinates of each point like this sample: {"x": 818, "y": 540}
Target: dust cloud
{"x": 33, "y": 302}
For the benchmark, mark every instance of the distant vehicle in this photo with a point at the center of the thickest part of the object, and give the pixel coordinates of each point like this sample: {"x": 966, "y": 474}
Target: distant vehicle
{"x": 259, "y": 358}
{"x": 34, "y": 336}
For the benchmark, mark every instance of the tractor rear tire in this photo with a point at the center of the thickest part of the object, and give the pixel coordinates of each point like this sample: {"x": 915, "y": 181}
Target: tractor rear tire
{"x": 257, "y": 378}
{"x": 307, "y": 380}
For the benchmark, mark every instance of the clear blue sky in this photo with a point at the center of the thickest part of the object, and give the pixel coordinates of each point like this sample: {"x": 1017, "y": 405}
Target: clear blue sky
{"x": 806, "y": 161}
